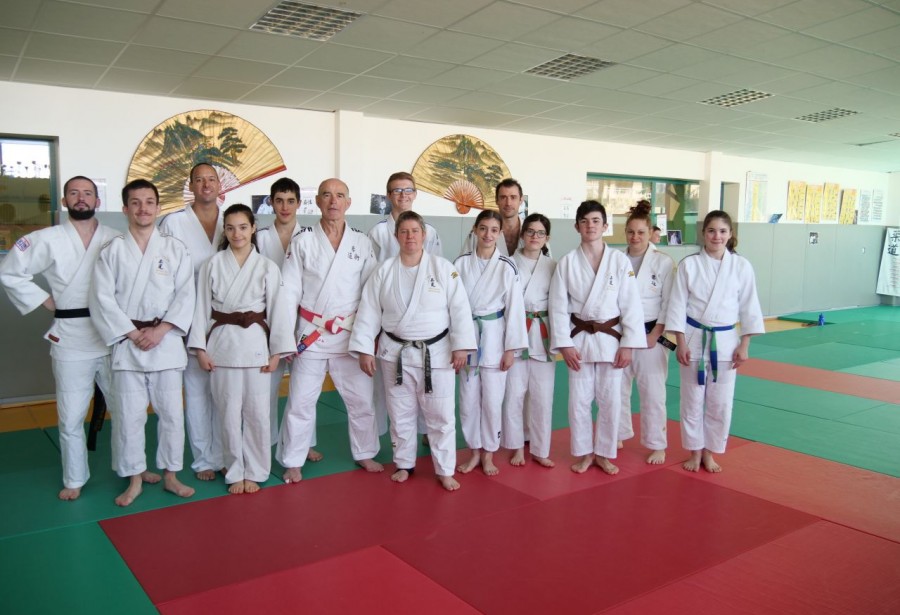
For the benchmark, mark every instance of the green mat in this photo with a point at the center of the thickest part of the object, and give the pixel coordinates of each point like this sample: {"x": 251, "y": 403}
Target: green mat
{"x": 72, "y": 570}
{"x": 877, "y": 312}
{"x": 885, "y": 417}
{"x": 801, "y": 400}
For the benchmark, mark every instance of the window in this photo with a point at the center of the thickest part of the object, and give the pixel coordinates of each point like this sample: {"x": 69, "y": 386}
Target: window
{"x": 675, "y": 202}
{"x": 27, "y": 188}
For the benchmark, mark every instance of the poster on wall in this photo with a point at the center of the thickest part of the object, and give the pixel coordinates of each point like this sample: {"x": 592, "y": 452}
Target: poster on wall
{"x": 889, "y": 272}
{"x": 813, "y": 204}
{"x": 848, "y": 206}
{"x": 864, "y": 207}
{"x": 830, "y": 195}
{"x": 796, "y": 201}
{"x": 755, "y": 197}
{"x": 877, "y": 207}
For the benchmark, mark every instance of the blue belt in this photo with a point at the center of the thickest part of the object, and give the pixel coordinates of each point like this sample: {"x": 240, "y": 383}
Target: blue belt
{"x": 713, "y": 352}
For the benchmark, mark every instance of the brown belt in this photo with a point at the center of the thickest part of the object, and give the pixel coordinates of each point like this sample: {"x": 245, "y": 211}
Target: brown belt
{"x": 592, "y": 326}
{"x": 145, "y": 324}
{"x": 241, "y": 319}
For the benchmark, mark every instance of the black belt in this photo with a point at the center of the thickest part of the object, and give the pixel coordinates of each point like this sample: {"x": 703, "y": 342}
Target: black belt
{"x": 424, "y": 344}
{"x": 76, "y": 313}
{"x": 648, "y": 327}
{"x": 146, "y": 324}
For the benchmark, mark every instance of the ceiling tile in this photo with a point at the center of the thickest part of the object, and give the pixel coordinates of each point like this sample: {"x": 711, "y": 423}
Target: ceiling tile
{"x": 184, "y": 35}
{"x": 531, "y": 124}
{"x": 308, "y": 78}
{"x": 264, "y": 47}
{"x": 854, "y": 25}
{"x": 569, "y": 113}
{"x": 697, "y": 112}
{"x": 339, "y": 102}
{"x": 372, "y": 86}
{"x": 438, "y": 14}
{"x": 454, "y": 47}
{"x": 7, "y": 66}
{"x": 87, "y": 21}
{"x": 504, "y": 21}
{"x": 792, "y": 83}
{"x": 702, "y": 91}
{"x": 215, "y": 89}
{"x": 836, "y": 62}
{"x": 12, "y": 41}
{"x": 662, "y": 125}
{"x": 617, "y": 76}
{"x": 886, "y": 79}
{"x": 751, "y": 76}
{"x": 160, "y": 60}
{"x": 138, "y": 6}
{"x": 468, "y": 77}
{"x": 613, "y": 99}
{"x": 777, "y": 49}
{"x": 659, "y": 85}
{"x": 785, "y": 107}
{"x": 570, "y": 34}
{"x": 877, "y": 41}
{"x": 673, "y": 57}
{"x": 688, "y": 22}
{"x": 731, "y": 65}
{"x": 745, "y": 34}
{"x": 18, "y": 14}
{"x": 573, "y": 130}
{"x": 625, "y": 46}
{"x": 383, "y": 34}
{"x": 489, "y": 101}
{"x": 278, "y": 96}
{"x": 808, "y": 13}
{"x": 627, "y": 13}
{"x": 393, "y": 109}
{"x": 568, "y": 93}
{"x": 523, "y": 85}
{"x": 58, "y": 73}
{"x": 145, "y": 82}
{"x": 465, "y": 117}
{"x": 344, "y": 59}
{"x": 244, "y": 71}
{"x": 526, "y": 106}
{"x": 429, "y": 94}
{"x": 72, "y": 49}
{"x": 241, "y": 14}
{"x": 412, "y": 69}
{"x": 514, "y": 57}
{"x": 749, "y": 8}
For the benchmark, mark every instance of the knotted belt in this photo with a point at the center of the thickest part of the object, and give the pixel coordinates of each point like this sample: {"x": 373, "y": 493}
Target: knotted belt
{"x": 426, "y": 355}
{"x": 241, "y": 319}
{"x": 479, "y": 320}
{"x": 663, "y": 340}
{"x": 146, "y": 324}
{"x": 75, "y": 313}
{"x": 541, "y": 318}
{"x": 713, "y": 351}
{"x": 333, "y": 326}
{"x": 592, "y": 327}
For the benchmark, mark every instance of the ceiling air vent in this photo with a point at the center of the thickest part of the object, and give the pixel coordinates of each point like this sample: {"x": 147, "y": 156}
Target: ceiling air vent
{"x": 735, "y": 99}
{"x": 302, "y": 20}
{"x": 569, "y": 66}
{"x": 824, "y": 116}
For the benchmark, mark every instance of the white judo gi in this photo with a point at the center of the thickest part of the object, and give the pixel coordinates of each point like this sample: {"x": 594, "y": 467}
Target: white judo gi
{"x": 325, "y": 285}
{"x": 156, "y": 285}
{"x": 202, "y": 427}
{"x": 269, "y": 244}
{"x": 240, "y": 391}
{"x": 416, "y": 305}
{"x": 529, "y": 382}
{"x": 78, "y": 354}
{"x": 649, "y": 366}
{"x": 498, "y": 309}
{"x": 385, "y": 245}
{"x": 715, "y": 294}
{"x": 608, "y": 294}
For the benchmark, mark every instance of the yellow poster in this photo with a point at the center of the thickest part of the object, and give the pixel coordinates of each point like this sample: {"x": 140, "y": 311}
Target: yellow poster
{"x": 830, "y": 202}
{"x": 848, "y": 206}
{"x": 796, "y": 201}
{"x": 813, "y": 204}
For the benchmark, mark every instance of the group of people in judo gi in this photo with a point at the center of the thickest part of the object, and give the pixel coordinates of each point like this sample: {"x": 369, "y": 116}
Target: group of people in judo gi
{"x": 209, "y": 304}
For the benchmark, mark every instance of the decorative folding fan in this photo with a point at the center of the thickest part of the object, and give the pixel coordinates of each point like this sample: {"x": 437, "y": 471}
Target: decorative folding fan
{"x": 240, "y": 152}
{"x": 462, "y": 169}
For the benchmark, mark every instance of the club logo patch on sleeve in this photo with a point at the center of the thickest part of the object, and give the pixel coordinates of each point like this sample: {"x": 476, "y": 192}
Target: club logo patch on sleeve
{"x": 23, "y": 244}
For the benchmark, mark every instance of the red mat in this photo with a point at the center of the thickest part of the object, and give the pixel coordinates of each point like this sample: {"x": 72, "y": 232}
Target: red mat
{"x": 185, "y": 549}
{"x": 824, "y": 380}
{"x": 592, "y": 549}
{"x": 822, "y": 568}
{"x": 546, "y": 483}
{"x": 850, "y": 496}
{"x": 367, "y": 581}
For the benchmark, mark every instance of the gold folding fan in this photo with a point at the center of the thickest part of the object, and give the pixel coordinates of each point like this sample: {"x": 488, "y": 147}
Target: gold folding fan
{"x": 462, "y": 169}
{"x": 239, "y": 151}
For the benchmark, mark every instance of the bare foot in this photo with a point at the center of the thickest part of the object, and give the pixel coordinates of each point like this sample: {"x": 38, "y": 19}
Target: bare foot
{"x": 292, "y": 475}
{"x": 151, "y": 478}
{"x": 370, "y": 465}
{"x": 173, "y": 485}
{"x": 206, "y": 475}
{"x": 69, "y": 494}
{"x": 448, "y": 482}
{"x": 487, "y": 464}
{"x": 620, "y": 444}
{"x": 425, "y": 441}
{"x": 657, "y": 458}
{"x": 400, "y": 476}
{"x": 583, "y": 463}
{"x": 236, "y": 488}
{"x": 250, "y": 486}
{"x": 314, "y": 455}
{"x": 471, "y": 464}
{"x": 709, "y": 464}
{"x": 518, "y": 458}
{"x": 544, "y": 461}
{"x": 606, "y": 465}
{"x": 693, "y": 463}
{"x": 130, "y": 495}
